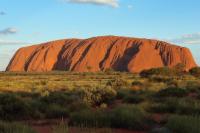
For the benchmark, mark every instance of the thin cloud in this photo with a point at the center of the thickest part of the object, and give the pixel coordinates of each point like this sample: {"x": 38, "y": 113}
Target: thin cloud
{"x": 8, "y": 31}
{"x": 6, "y": 42}
{"x": 130, "y": 6}
{"x": 187, "y": 39}
{"x": 2, "y": 13}
{"x": 112, "y": 3}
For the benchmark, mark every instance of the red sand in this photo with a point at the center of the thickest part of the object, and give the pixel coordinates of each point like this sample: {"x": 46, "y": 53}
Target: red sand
{"x": 48, "y": 129}
{"x": 46, "y": 126}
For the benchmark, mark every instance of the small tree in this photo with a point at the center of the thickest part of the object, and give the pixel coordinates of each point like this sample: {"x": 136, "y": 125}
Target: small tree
{"x": 179, "y": 69}
{"x": 109, "y": 70}
{"x": 89, "y": 68}
{"x": 195, "y": 71}
{"x": 162, "y": 71}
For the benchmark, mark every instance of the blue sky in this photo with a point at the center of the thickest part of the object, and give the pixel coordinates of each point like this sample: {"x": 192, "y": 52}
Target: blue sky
{"x": 25, "y": 22}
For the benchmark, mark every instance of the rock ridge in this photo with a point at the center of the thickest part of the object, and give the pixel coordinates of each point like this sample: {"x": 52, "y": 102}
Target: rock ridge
{"x": 100, "y": 53}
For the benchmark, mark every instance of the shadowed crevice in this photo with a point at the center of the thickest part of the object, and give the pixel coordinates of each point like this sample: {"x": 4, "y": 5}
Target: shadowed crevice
{"x": 122, "y": 63}
{"x": 83, "y": 55}
{"x": 62, "y": 63}
{"x": 106, "y": 55}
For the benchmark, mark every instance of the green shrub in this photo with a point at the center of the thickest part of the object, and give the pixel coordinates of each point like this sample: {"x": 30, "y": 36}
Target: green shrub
{"x": 28, "y": 95}
{"x": 118, "y": 83}
{"x": 179, "y": 106}
{"x": 172, "y": 83}
{"x": 169, "y": 106}
{"x": 163, "y": 71}
{"x": 60, "y": 98}
{"x": 188, "y": 106}
{"x": 165, "y": 79}
{"x": 177, "y": 70}
{"x": 36, "y": 108}
{"x": 193, "y": 86}
{"x": 109, "y": 71}
{"x": 43, "y": 82}
{"x": 134, "y": 97}
{"x": 13, "y": 107}
{"x": 127, "y": 116}
{"x": 6, "y": 127}
{"x": 137, "y": 83}
{"x": 184, "y": 124}
{"x": 56, "y": 111}
{"x": 97, "y": 96}
{"x": 90, "y": 118}
{"x": 78, "y": 105}
{"x": 172, "y": 92}
{"x": 122, "y": 93}
{"x": 195, "y": 71}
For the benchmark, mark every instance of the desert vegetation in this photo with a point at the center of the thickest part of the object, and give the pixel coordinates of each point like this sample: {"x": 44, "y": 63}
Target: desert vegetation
{"x": 156, "y": 100}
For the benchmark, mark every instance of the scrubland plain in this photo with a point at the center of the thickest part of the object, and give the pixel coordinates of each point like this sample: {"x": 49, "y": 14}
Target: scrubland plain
{"x": 160, "y": 100}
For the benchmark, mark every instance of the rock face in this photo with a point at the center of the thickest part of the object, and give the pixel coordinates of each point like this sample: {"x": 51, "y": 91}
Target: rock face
{"x": 100, "y": 53}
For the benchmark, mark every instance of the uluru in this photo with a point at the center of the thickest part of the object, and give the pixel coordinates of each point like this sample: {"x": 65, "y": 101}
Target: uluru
{"x": 100, "y": 53}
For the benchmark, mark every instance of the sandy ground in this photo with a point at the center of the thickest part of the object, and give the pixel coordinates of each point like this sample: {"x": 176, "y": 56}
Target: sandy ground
{"x": 48, "y": 129}
{"x": 46, "y": 126}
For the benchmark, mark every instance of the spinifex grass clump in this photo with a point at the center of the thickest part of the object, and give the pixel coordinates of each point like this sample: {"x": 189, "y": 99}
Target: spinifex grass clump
{"x": 163, "y": 71}
{"x": 124, "y": 116}
{"x": 93, "y": 130}
{"x": 135, "y": 97}
{"x": 62, "y": 127}
{"x": 128, "y": 116}
{"x": 172, "y": 92}
{"x": 184, "y": 124}
{"x": 90, "y": 118}
{"x": 13, "y": 107}
{"x": 6, "y": 127}
{"x": 177, "y": 105}
{"x": 195, "y": 71}
{"x": 177, "y": 70}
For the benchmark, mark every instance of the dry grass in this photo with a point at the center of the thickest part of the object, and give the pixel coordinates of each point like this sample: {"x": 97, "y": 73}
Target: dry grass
{"x": 57, "y": 80}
